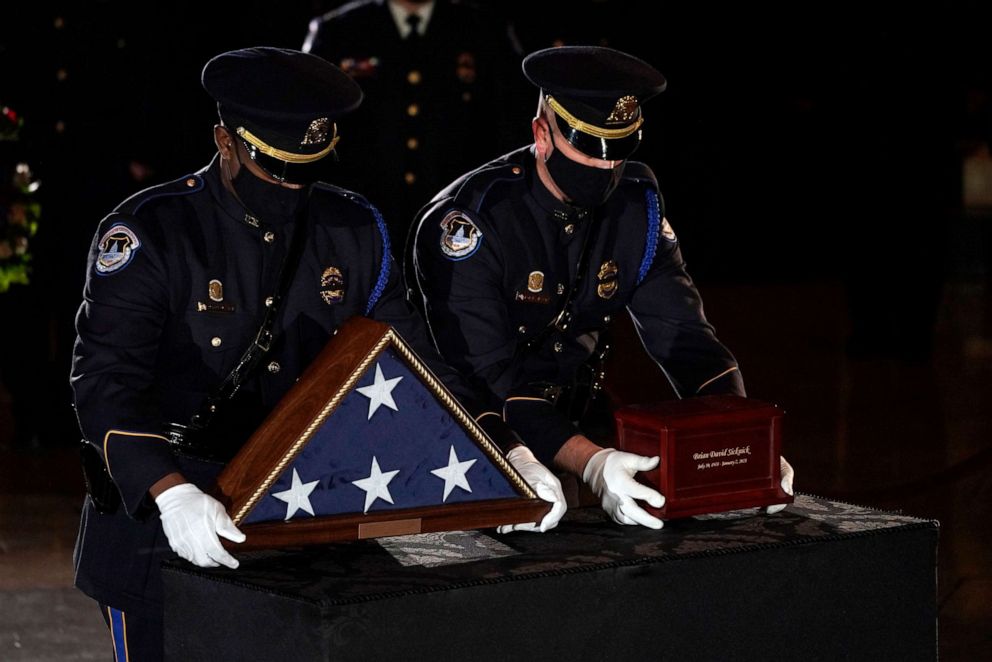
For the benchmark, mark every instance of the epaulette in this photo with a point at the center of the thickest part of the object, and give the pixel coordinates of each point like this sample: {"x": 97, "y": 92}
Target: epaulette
{"x": 182, "y": 186}
{"x": 469, "y": 191}
{"x": 361, "y": 201}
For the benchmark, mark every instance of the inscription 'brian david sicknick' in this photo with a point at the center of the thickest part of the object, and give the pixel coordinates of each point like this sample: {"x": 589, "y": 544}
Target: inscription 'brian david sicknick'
{"x": 733, "y": 451}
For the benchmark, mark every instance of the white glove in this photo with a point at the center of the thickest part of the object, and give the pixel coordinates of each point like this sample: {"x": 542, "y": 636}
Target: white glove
{"x": 788, "y": 474}
{"x": 610, "y": 475}
{"x": 547, "y": 486}
{"x": 192, "y": 521}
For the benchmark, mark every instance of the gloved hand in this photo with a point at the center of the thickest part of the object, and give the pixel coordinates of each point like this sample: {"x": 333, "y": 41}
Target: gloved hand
{"x": 610, "y": 475}
{"x": 788, "y": 474}
{"x": 547, "y": 486}
{"x": 192, "y": 521}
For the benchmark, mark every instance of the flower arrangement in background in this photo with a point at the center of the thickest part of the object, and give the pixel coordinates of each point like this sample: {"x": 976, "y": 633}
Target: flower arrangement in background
{"x": 20, "y": 210}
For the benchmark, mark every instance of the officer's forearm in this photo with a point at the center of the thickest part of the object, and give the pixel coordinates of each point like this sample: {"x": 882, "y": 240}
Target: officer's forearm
{"x": 575, "y": 454}
{"x": 163, "y": 484}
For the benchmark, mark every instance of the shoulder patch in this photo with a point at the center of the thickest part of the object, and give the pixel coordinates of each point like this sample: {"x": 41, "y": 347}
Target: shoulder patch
{"x": 460, "y": 237}
{"x": 667, "y": 232}
{"x": 117, "y": 246}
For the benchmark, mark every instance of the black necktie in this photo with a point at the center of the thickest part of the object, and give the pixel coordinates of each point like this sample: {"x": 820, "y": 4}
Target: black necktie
{"x": 413, "y": 20}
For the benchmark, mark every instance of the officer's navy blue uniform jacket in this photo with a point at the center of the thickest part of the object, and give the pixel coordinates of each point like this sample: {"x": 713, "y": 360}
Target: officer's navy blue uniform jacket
{"x": 152, "y": 343}
{"x": 496, "y": 252}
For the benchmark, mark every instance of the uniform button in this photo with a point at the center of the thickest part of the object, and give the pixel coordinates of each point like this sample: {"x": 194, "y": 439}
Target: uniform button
{"x": 569, "y": 229}
{"x": 522, "y": 329}
{"x": 466, "y": 96}
{"x": 558, "y": 347}
{"x": 268, "y": 302}
{"x": 269, "y": 237}
{"x": 412, "y": 143}
{"x": 61, "y": 74}
{"x": 413, "y": 77}
{"x": 216, "y": 341}
{"x": 274, "y": 367}
{"x": 607, "y": 319}
{"x": 560, "y": 289}
{"x": 413, "y": 110}
{"x": 59, "y": 22}
{"x": 191, "y": 182}
{"x": 60, "y": 127}
{"x": 516, "y": 170}
{"x": 409, "y": 178}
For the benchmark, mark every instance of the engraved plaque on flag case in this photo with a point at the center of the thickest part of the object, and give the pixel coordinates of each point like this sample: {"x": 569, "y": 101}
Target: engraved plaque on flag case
{"x": 368, "y": 443}
{"x": 718, "y": 452}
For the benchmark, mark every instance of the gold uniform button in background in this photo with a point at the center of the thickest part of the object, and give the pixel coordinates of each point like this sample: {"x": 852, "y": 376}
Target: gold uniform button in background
{"x": 412, "y": 110}
{"x": 216, "y": 341}
{"x": 269, "y": 237}
{"x": 413, "y": 77}
{"x": 412, "y": 143}
{"x": 274, "y": 367}
{"x": 409, "y": 178}
{"x": 191, "y": 182}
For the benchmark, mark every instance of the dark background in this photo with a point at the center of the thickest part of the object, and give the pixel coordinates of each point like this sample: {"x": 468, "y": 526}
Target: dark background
{"x": 810, "y": 155}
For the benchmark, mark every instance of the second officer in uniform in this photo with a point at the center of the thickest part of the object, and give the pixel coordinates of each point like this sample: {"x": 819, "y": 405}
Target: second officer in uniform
{"x": 522, "y": 262}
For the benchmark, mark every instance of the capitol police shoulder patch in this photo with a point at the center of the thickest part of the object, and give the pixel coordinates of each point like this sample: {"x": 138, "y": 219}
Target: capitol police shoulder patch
{"x": 117, "y": 247}
{"x": 460, "y": 237}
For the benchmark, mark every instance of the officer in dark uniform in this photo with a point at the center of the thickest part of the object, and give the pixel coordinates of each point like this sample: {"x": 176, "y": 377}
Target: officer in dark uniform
{"x": 439, "y": 77}
{"x": 179, "y": 278}
{"x": 522, "y": 262}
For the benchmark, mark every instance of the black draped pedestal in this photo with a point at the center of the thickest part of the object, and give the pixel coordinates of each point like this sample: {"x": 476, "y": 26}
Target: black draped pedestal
{"x": 820, "y": 581}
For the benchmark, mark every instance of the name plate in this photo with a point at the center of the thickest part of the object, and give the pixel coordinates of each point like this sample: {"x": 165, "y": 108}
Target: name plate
{"x": 718, "y": 453}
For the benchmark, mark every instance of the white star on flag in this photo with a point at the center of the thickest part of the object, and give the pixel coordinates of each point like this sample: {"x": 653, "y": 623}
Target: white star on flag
{"x": 380, "y": 392}
{"x": 297, "y": 497}
{"x": 376, "y": 486}
{"x": 454, "y": 474}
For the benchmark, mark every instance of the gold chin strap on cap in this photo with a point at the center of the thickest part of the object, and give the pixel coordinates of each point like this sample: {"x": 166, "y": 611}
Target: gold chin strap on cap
{"x": 596, "y": 131}
{"x": 282, "y": 155}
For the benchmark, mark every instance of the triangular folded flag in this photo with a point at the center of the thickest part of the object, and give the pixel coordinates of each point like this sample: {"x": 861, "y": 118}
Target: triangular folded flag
{"x": 369, "y": 443}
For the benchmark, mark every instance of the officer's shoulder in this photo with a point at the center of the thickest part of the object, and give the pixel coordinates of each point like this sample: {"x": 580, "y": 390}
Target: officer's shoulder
{"x": 358, "y": 10}
{"x": 473, "y": 191}
{"x": 146, "y": 202}
{"x": 349, "y": 207}
{"x": 639, "y": 174}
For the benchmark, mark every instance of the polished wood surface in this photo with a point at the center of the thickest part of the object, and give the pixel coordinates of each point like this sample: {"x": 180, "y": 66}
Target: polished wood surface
{"x": 286, "y": 431}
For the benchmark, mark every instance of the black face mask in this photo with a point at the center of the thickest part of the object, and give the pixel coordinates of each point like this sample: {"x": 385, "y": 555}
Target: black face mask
{"x": 583, "y": 185}
{"x": 268, "y": 202}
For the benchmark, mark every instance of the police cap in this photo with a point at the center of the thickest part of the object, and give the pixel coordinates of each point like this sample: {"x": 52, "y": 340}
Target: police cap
{"x": 596, "y": 95}
{"x": 282, "y": 103}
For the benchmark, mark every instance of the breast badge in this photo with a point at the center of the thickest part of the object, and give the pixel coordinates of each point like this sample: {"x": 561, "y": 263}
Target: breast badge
{"x": 117, "y": 247}
{"x": 460, "y": 238}
{"x": 333, "y": 283}
{"x": 606, "y": 285}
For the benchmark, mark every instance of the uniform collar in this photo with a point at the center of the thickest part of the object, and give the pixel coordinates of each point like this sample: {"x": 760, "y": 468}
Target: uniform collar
{"x": 229, "y": 204}
{"x": 546, "y": 200}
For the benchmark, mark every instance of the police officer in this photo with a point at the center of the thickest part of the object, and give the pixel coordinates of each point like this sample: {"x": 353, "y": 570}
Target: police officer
{"x": 522, "y": 263}
{"x": 439, "y": 77}
{"x": 179, "y": 278}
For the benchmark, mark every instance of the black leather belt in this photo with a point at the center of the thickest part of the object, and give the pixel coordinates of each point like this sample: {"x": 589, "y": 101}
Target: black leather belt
{"x": 189, "y": 441}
